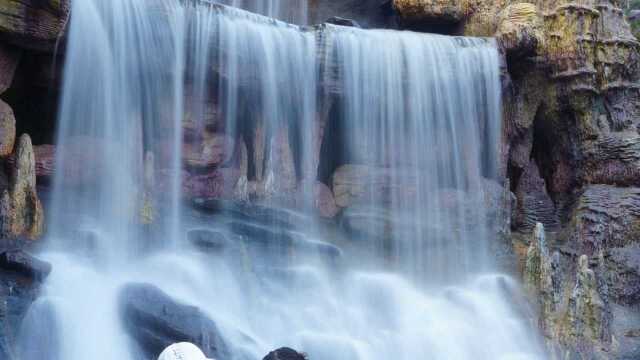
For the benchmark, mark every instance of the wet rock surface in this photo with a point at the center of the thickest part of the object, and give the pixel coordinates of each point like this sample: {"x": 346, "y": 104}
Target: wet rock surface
{"x": 284, "y": 354}
{"x": 21, "y": 276}
{"x": 155, "y": 321}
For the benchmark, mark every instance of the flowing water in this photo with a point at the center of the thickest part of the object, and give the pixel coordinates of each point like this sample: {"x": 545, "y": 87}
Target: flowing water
{"x": 419, "y": 112}
{"x": 293, "y": 11}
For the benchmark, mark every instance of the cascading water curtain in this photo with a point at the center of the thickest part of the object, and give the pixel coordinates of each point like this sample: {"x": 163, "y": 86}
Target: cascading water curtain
{"x": 423, "y": 114}
{"x": 143, "y": 76}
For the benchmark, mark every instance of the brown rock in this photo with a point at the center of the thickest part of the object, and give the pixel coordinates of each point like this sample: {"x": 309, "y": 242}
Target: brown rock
{"x": 7, "y": 129}
{"x": 33, "y": 24}
{"x": 520, "y": 29}
{"x": 437, "y": 11}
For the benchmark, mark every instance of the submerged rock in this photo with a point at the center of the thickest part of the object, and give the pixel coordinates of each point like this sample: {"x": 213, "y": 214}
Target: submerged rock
{"x": 285, "y": 353}
{"x": 155, "y": 321}
{"x": 209, "y": 240}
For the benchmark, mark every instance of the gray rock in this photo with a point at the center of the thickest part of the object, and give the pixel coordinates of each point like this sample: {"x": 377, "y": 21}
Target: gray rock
{"x": 155, "y": 321}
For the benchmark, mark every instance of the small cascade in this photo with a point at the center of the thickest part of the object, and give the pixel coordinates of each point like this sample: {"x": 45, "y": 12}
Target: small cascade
{"x": 421, "y": 117}
{"x": 172, "y": 103}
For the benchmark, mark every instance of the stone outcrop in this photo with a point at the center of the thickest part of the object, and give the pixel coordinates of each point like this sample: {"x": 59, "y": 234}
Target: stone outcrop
{"x": 33, "y": 24}
{"x": 439, "y": 11}
{"x": 520, "y": 29}
{"x": 21, "y": 212}
{"x": 20, "y": 262}
{"x": 542, "y": 279}
{"x": 575, "y": 315}
{"x": 605, "y": 217}
{"x": 588, "y": 317}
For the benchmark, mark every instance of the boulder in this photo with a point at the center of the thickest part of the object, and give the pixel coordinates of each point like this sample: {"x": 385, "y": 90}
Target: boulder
{"x": 7, "y": 129}
{"x": 285, "y": 353}
{"x": 9, "y": 59}
{"x": 33, "y": 24}
{"x": 21, "y": 212}
{"x": 22, "y": 263}
{"x": 155, "y": 321}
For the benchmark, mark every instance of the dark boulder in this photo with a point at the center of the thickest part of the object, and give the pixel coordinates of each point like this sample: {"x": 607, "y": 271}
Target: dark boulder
{"x": 337, "y": 20}
{"x": 285, "y": 353}
{"x": 20, "y": 262}
{"x": 155, "y": 321}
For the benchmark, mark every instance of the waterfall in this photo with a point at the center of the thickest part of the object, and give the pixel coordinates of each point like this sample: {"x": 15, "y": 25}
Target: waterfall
{"x": 150, "y": 85}
{"x": 422, "y": 115}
